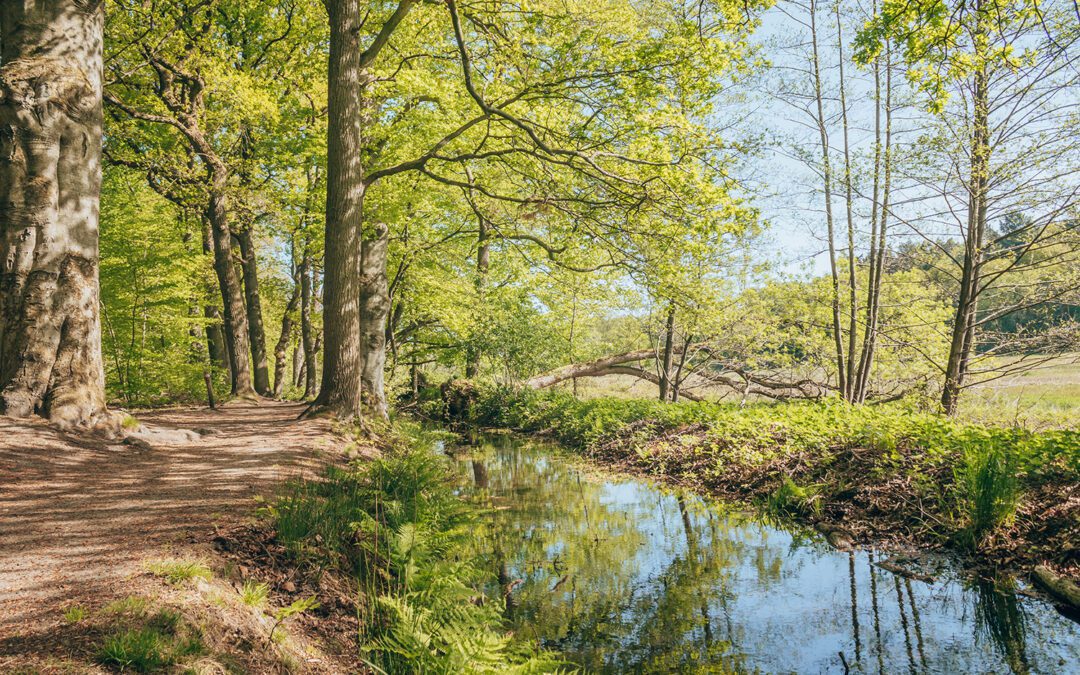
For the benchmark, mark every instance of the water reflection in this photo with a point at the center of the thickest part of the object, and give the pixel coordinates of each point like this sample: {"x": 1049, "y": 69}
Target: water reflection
{"x": 623, "y": 577}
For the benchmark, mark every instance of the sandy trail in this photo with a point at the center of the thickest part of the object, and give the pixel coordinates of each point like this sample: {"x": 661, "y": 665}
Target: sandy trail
{"x": 77, "y": 516}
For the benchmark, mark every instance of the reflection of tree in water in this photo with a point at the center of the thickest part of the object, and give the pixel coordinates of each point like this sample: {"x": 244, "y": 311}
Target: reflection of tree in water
{"x": 580, "y": 565}
{"x": 999, "y": 617}
{"x": 620, "y": 577}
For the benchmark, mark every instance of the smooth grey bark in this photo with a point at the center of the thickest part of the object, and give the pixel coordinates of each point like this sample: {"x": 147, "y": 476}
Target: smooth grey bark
{"x": 50, "y": 182}
{"x": 374, "y": 312}
{"x": 249, "y": 266}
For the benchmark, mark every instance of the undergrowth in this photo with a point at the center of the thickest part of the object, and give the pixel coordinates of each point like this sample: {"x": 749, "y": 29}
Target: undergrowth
{"x": 398, "y": 527}
{"x": 147, "y": 643}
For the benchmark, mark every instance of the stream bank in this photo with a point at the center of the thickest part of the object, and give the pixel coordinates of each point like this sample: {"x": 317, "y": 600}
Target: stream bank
{"x": 999, "y": 500}
{"x": 618, "y": 574}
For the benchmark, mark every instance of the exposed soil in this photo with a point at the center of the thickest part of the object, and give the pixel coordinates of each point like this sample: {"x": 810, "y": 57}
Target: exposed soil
{"x": 79, "y": 517}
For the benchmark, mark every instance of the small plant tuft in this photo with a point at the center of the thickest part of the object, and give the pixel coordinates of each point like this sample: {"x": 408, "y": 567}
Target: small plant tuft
{"x": 177, "y": 572}
{"x": 989, "y": 491}
{"x": 254, "y": 593}
{"x": 75, "y": 613}
{"x": 793, "y": 499}
{"x": 141, "y": 650}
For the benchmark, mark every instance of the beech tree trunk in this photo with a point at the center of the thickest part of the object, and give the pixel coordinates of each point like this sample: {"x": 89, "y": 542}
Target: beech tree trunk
{"x": 256, "y": 331}
{"x": 282, "y": 346}
{"x": 235, "y": 323}
{"x": 483, "y": 263}
{"x": 215, "y": 339}
{"x": 307, "y": 331}
{"x": 50, "y": 182}
{"x": 374, "y": 311}
{"x": 340, "y": 393}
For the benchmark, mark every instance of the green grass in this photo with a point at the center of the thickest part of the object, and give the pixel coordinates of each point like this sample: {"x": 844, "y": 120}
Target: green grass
{"x": 75, "y": 613}
{"x": 163, "y": 640}
{"x": 989, "y": 490}
{"x": 131, "y": 606}
{"x": 253, "y": 593}
{"x": 178, "y": 571}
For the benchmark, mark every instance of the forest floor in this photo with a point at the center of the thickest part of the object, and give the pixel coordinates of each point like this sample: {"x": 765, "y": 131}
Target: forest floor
{"x": 81, "y": 520}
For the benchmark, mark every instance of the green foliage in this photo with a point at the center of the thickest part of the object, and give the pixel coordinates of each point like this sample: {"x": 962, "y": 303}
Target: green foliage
{"x": 163, "y": 640}
{"x": 792, "y": 499}
{"x": 292, "y": 609}
{"x": 253, "y": 593}
{"x": 75, "y": 613}
{"x": 131, "y": 606}
{"x": 177, "y": 572}
{"x": 398, "y": 525}
{"x": 989, "y": 489}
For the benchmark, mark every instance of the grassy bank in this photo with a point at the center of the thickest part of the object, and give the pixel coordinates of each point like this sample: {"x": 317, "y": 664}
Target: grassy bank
{"x": 396, "y": 530}
{"x": 884, "y": 475}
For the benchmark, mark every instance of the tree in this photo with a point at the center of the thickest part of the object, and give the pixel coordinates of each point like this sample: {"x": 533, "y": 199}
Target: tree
{"x": 50, "y": 181}
{"x": 998, "y": 74}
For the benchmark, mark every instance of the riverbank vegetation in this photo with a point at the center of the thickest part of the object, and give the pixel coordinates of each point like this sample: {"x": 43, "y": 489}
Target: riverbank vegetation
{"x": 887, "y": 475}
{"x": 398, "y": 532}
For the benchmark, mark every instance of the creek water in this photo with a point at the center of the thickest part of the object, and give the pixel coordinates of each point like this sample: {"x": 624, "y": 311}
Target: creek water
{"x": 622, "y": 576}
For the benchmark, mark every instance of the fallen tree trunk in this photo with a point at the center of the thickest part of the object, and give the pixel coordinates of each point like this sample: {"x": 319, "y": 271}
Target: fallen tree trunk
{"x": 589, "y": 369}
{"x": 617, "y": 364}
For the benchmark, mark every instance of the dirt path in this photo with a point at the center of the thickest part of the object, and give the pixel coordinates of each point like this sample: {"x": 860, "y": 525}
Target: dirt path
{"x": 78, "y": 516}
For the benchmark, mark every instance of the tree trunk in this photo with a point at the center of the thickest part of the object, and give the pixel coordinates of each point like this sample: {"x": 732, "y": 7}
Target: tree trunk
{"x": 589, "y": 369}
{"x": 282, "y": 346}
{"x": 340, "y": 394}
{"x": 483, "y": 263}
{"x": 826, "y": 168}
{"x": 374, "y": 311}
{"x": 853, "y": 291}
{"x": 215, "y": 338}
{"x": 50, "y": 182}
{"x": 235, "y": 323}
{"x": 307, "y": 331}
{"x": 256, "y": 331}
{"x": 963, "y": 332}
{"x": 878, "y": 250}
{"x": 669, "y": 354}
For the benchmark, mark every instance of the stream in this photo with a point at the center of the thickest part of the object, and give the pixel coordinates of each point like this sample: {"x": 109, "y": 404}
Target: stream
{"x": 622, "y": 576}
